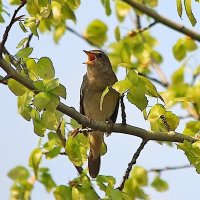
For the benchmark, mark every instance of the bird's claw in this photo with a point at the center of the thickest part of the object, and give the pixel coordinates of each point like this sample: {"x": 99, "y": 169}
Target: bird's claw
{"x": 111, "y": 127}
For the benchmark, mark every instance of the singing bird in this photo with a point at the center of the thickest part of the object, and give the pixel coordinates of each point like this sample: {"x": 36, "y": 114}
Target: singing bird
{"x": 99, "y": 75}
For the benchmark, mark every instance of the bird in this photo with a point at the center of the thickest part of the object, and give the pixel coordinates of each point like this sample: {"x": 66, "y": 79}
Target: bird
{"x": 98, "y": 77}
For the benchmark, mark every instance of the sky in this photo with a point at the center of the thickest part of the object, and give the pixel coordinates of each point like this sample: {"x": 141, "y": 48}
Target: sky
{"x": 17, "y": 137}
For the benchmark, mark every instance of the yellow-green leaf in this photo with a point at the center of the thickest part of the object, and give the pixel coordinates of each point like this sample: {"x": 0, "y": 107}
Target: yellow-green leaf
{"x": 17, "y": 88}
{"x": 188, "y": 8}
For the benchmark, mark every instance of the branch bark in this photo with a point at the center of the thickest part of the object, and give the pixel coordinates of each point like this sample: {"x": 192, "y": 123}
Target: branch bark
{"x": 133, "y": 161}
{"x": 101, "y": 126}
{"x": 163, "y": 20}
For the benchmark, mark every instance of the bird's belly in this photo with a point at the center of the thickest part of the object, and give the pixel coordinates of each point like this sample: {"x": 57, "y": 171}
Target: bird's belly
{"x": 92, "y": 105}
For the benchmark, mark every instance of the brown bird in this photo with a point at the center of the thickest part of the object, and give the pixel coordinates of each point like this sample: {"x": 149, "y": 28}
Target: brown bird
{"x": 99, "y": 75}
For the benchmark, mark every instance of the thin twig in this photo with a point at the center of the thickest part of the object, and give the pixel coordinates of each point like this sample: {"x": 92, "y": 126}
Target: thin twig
{"x": 163, "y": 20}
{"x": 4, "y": 79}
{"x": 123, "y": 113}
{"x": 158, "y": 170}
{"x": 63, "y": 141}
{"x": 155, "y": 80}
{"x": 160, "y": 73}
{"x": 141, "y": 30}
{"x": 133, "y": 161}
{"x": 12, "y": 21}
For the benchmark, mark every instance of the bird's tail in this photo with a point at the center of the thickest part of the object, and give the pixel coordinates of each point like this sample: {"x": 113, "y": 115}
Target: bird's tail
{"x": 94, "y": 158}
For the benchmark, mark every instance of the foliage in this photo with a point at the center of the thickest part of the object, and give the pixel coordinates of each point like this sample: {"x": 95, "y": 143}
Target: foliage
{"x": 134, "y": 52}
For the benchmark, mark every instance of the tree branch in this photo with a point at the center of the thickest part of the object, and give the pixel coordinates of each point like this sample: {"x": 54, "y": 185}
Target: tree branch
{"x": 133, "y": 161}
{"x": 96, "y": 125}
{"x": 12, "y": 21}
{"x": 169, "y": 168}
{"x": 163, "y": 20}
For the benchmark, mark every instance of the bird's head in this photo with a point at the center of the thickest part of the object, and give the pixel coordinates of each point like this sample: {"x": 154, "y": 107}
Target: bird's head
{"x": 96, "y": 57}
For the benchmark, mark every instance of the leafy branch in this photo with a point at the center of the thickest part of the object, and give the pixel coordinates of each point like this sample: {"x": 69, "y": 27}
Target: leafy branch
{"x": 163, "y": 20}
{"x": 96, "y": 125}
{"x": 12, "y": 21}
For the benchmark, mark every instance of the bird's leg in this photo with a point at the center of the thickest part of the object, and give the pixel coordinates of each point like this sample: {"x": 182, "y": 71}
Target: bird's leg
{"x": 75, "y": 132}
{"x": 109, "y": 121}
{"x": 85, "y": 131}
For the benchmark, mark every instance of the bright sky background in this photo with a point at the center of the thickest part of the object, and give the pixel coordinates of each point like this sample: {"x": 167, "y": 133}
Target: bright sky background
{"x": 17, "y": 137}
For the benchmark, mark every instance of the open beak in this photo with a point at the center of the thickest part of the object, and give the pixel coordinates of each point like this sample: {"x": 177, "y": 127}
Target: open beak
{"x": 91, "y": 57}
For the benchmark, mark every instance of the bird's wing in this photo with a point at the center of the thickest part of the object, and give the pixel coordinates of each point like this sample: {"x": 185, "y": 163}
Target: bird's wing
{"x": 115, "y": 113}
{"x": 82, "y": 94}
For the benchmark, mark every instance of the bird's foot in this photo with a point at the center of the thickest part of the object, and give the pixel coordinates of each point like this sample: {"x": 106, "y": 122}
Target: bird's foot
{"x": 75, "y": 132}
{"x": 111, "y": 127}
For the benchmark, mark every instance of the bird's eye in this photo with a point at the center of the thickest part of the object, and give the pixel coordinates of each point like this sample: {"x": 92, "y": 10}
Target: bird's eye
{"x": 99, "y": 55}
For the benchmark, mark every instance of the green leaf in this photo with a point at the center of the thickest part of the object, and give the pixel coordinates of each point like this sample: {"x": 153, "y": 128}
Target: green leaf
{"x": 39, "y": 85}
{"x": 179, "y": 50}
{"x": 14, "y": 2}
{"x": 74, "y": 4}
{"x": 35, "y": 159}
{"x": 106, "y": 4}
{"x": 39, "y": 128}
{"x": 136, "y": 95}
{"x": 53, "y": 152}
{"x": 155, "y": 112}
{"x": 192, "y": 151}
{"x": 60, "y": 91}
{"x": 106, "y": 180}
{"x": 19, "y": 173}
{"x": 140, "y": 175}
{"x": 96, "y": 32}
{"x": 68, "y": 13}
{"x": 24, "y": 108}
{"x": 45, "y": 69}
{"x": 132, "y": 76}
{"x": 179, "y": 7}
{"x": 76, "y": 149}
{"x": 117, "y": 34}
{"x": 122, "y": 86}
{"x": 51, "y": 120}
{"x": 22, "y": 42}
{"x": 102, "y": 97}
{"x": 192, "y": 128}
{"x": 159, "y": 184}
{"x": 51, "y": 84}
{"x": 17, "y": 88}
{"x": 122, "y": 9}
{"x": 188, "y": 8}
{"x": 31, "y": 22}
{"x": 115, "y": 194}
{"x": 41, "y": 100}
{"x": 46, "y": 179}
{"x": 178, "y": 75}
{"x": 63, "y": 193}
{"x": 24, "y": 53}
{"x": 190, "y": 44}
{"x": 22, "y": 27}
{"x": 150, "y": 87}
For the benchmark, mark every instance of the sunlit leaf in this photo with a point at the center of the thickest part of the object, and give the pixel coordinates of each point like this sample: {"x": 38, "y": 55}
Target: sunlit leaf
{"x": 188, "y": 8}
{"x": 159, "y": 184}
{"x": 19, "y": 173}
{"x": 96, "y": 32}
{"x": 24, "y": 53}
{"x": 17, "y": 88}
{"x": 76, "y": 149}
{"x": 35, "y": 159}
{"x": 179, "y": 7}
{"x": 45, "y": 68}
{"x": 63, "y": 193}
